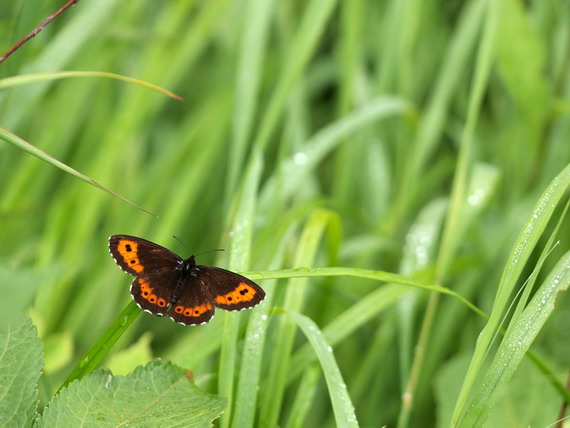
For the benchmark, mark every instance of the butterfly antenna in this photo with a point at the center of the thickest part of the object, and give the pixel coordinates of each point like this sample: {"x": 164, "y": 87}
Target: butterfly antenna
{"x": 182, "y": 243}
{"x": 210, "y": 251}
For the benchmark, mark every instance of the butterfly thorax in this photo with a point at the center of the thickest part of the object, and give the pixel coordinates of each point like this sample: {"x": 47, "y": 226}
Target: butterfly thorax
{"x": 187, "y": 265}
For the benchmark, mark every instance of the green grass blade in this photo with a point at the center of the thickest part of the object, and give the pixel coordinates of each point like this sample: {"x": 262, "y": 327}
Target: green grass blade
{"x": 348, "y": 322}
{"x": 285, "y": 334}
{"x": 248, "y": 82}
{"x": 103, "y": 345}
{"x": 239, "y": 258}
{"x": 304, "y": 397}
{"x": 40, "y": 154}
{"x": 298, "y": 166}
{"x": 341, "y": 402}
{"x": 315, "y": 16}
{"x": 42, "y": 77}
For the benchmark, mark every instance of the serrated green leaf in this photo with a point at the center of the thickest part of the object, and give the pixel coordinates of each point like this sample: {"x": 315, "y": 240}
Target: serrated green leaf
{"x": 156, "y": 395}
{"x": 20, "y": 369}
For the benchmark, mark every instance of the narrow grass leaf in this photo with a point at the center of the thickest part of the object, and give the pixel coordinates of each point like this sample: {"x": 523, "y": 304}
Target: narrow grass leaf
{"x": 104, "y": 344}
{"x": 248, "y": 82}
{"x": 312, "y": 24}
{"x": 26, "y": 79}
{"x": 363, "y": 311}
{"x": 297, "y": 167}
{"x": 304, "y": 398}
{"x": 285, "y": 334}
{"x": 341, "y": 402}
{"x": 27, "y": 147}
{"x": 241, "y": 234}
{"x": 363, "y": 273}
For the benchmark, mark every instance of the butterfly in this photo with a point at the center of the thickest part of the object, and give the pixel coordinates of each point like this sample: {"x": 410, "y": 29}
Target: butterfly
{"x": 168, "y": 285}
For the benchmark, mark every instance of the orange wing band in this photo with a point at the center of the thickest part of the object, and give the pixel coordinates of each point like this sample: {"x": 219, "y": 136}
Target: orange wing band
{"x": 129, "y": 252}
{"x": 148, "y": 295}
{"x": 196, "y": 311}
{"x": 242, "y": 293}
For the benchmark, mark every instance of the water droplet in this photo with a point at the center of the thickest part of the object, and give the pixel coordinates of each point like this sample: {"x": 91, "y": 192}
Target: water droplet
{"x": 300, "y": 158}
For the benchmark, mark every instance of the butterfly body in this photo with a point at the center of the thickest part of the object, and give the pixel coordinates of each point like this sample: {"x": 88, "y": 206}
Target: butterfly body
{"x": 167, "y": 285}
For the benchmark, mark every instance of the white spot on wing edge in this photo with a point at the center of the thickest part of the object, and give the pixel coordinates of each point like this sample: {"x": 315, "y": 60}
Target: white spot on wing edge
{"x": 243, "y": 309}
{"x": 187, "y": 325}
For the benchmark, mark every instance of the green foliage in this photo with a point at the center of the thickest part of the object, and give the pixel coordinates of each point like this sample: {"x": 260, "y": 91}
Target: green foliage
{"x": 393, "y": 174}
{"x": 158, "y": 394}
{"x": 20, "y": 368}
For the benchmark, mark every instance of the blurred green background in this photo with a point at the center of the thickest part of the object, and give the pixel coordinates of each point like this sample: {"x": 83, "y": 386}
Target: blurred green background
{"x": 400, "y": 136}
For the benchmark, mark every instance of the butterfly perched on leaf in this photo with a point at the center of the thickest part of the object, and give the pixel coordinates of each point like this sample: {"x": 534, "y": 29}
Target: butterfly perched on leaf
{"x": 168, "y": 285}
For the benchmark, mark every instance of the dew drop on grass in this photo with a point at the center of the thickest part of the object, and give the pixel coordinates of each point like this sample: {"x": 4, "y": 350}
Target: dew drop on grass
{"x": 300, "y": 158}
{"x": 83, "y": 362}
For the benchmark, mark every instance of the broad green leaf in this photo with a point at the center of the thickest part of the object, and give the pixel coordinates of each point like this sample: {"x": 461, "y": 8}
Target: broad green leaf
{"x": 20, "y": 369}
{"x": 159, "y": 394}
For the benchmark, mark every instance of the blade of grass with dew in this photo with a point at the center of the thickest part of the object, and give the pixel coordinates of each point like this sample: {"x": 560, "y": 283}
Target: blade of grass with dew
{"x": 341, "y": 403}
{"x": 251, "y": 363}
{"x": 376, "y": 275}
{"x": 40, "y": 154}
{"x": 241, "y": 234}
{"x": 517, "y": 342}
{"x": 304, "y": 43}
{"x": 528, "y": 286}
{"x": 276, "y": 380}
{"x": 520, "y": 253}
{"x": 248, "y": 83}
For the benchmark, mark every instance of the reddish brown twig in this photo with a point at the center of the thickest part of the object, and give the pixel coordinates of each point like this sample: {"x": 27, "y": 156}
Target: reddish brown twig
{"x": 38, "y": 28}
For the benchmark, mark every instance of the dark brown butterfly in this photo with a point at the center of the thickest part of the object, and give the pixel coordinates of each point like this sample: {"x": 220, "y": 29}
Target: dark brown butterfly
{"x": 166, "y": 284}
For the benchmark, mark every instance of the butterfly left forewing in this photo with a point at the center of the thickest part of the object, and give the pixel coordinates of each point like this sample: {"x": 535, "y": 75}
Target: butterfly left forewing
{"x": 139, "y": 257}
{"x": 228, "y": 290}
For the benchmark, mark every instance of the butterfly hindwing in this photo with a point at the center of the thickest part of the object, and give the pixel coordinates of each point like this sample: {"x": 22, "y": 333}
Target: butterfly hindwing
{"x": 140, "y": 257}
{"x": 193, "y": 307}
{"x": 153, "y": 293}
{"x": 228, "y": 290}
